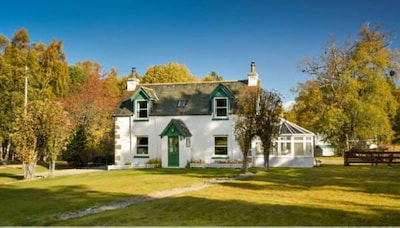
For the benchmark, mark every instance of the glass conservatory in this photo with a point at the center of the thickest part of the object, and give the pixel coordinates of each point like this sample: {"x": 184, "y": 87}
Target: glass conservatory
{"x": 294, "y": 147}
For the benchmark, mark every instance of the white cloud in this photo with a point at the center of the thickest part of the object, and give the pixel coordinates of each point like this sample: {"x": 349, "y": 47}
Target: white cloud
{"x": 288, "y": 105}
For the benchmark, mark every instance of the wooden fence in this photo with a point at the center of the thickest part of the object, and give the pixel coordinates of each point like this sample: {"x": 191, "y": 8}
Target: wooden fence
{"x": 372, "y": 157}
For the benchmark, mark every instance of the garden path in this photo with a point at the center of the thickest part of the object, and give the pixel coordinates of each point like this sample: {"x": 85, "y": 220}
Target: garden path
{"x": 149, "y": 197}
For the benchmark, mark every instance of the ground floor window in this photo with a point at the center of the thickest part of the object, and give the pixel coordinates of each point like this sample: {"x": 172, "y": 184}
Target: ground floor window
{"x": 142, "y": 145}
{"x": 221, "y": 145}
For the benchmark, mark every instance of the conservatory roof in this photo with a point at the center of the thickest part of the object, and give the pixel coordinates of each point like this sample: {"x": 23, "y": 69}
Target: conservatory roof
{"x": 290, "y": 128}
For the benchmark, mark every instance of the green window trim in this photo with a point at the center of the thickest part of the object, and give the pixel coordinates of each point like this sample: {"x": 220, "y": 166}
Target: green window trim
{"x": 220, "y": 157}
{"x": 141, "y": 156}
{"x": 141, "y": 120}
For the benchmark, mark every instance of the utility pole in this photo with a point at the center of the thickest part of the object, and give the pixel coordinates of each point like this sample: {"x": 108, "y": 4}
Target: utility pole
{"x": 26, "y": 91}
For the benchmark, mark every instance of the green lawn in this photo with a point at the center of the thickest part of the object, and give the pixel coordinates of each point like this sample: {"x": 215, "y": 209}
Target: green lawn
{"x": 328, "y": 195}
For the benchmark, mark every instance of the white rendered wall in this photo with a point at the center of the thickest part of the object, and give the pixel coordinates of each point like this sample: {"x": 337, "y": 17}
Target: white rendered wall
{"x": 202, "y": 128}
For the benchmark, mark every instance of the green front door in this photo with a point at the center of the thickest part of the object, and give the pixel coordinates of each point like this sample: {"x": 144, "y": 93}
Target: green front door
{"x": 173, "y": 151}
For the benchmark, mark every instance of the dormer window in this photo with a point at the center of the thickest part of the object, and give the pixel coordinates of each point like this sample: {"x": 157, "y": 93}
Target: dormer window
{"x": 142, "y": 110}
{"x": 221, "y": 107}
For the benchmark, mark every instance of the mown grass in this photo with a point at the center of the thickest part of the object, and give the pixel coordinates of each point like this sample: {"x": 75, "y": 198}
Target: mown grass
{"x": 39, "y": 202}
{"x": 328, "y": 195}
{"x": 323, "y": 196}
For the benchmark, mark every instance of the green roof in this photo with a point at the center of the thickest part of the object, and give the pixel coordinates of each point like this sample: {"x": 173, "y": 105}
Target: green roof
{"x": 179, "y": 126}
{"x": 166, "y": 97}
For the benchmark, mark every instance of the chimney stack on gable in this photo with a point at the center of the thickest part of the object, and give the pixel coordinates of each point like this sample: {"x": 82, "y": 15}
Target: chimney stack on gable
{"x": 252, "y": 75}
{"x": 132, "y": 81}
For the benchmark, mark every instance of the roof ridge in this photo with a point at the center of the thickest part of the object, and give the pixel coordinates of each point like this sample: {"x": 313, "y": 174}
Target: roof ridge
{"x": 184, "y": 83}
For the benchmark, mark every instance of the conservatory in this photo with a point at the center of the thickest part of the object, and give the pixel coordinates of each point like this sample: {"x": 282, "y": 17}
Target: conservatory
{"x": 294, "y": 147}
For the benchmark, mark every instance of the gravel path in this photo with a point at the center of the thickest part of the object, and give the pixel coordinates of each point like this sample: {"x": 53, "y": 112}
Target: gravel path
{"x": 149, "y": 197}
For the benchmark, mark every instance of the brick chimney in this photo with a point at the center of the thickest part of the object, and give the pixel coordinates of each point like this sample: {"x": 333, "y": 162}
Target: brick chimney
{"x": 132, "y": 81}
{"x": 252, "y": 75}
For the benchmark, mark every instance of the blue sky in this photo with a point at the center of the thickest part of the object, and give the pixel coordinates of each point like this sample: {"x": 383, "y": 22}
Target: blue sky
{"x": 205, "y": 35}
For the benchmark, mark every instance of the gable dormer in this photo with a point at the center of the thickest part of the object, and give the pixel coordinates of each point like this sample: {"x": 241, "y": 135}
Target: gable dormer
{"x": 143, "y": 100}
{"x": 221, "y": 99}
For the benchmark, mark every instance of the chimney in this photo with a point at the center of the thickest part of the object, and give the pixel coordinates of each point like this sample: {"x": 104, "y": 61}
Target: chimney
{"x": 252, "y": 75}
{"x": 132, "y": 81}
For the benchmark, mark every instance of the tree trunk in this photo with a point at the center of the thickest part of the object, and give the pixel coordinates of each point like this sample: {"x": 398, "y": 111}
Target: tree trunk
{"x": 52, "y": 167}
{"x": 245, "y": 164}
{"x": 29, "y": 170}
{"x": 266, "y": 156}
{"x": 1, "y": 154}
{"x": 7, "y": 151}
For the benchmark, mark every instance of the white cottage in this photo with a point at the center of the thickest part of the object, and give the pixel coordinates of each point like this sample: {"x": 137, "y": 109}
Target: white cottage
{"x": 181, "y": 122}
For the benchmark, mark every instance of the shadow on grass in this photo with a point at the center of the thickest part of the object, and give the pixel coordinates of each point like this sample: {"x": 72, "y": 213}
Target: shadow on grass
{"x": 25, "y": 206}
{"x": 368, "y": 179}
{"x": 195, "y": 211}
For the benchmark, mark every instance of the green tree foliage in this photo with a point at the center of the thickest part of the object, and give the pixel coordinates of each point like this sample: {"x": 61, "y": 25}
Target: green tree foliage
{"x": 76, "y": 77}
{"x": 351, "y": 97}
{"x": 213, "y": 76}
{"x": 171, "y": 72}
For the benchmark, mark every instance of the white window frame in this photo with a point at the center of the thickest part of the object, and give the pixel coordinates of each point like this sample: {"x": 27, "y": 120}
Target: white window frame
{"x": 221, "y": 146}
{"x": 216, "y": 108}
{"x": 142, "y": 145}
{"x": 139, "y": 109}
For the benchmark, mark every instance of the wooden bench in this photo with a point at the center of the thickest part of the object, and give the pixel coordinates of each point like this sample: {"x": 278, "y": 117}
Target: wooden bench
{"x": 372, "y": 157}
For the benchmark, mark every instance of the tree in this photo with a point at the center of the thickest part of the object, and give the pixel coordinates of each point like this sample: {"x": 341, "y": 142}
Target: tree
{"x": 41, "y": 132}
{"x": 259, "y": 115}
{"x": 171, "y": 72}
{"x": 245, "y": 126}
{"x": 351, "y": 96}
{"x": 52, "y": 76}
{"x": 24, "y": 140}
{"x": 213, "y": 76}
{"x": 267, "y": 121}
{"x": 90, "y": 106}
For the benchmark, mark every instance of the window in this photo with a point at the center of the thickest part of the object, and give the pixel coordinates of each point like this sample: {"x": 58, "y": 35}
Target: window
{"x": 298, "y": 148}
{"x": 181, "y": 103}
{"x": 188, "y": 143}
{"x": 221, "y": 107}
{"x": 141, "y": 109}
{"x": 142, "y": 145}
{"x": 221, "y": 145}
{"x": 308, "y": 149}
{"x": 285, "y": 148}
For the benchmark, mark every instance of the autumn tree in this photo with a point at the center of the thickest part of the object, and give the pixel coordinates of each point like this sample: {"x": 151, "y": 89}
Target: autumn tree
{"x": 90, "y": 106}
{"x": 52, "y": 74}
{"x": 15, "y": 56}
{"x": 351, "y": 96}
{"x": 258, "y": 115}
{"x": 213, "y": 76}
{"x": 171, "y": 72}
{"x": 24, "y": 141}
{"x": 245, "y": 126}
{"x": 269, "y": 111}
